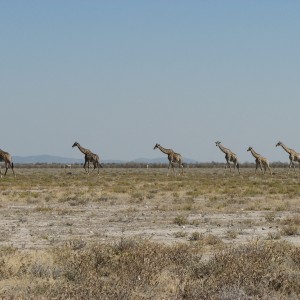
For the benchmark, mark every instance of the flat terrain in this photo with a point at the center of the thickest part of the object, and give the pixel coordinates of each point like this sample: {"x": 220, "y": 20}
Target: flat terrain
{"x": 138, "y": 234}
{"x": 46, "y": 207}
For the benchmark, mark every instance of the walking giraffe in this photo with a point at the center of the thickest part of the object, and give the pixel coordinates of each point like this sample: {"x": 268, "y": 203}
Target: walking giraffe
{"x": 173, "y": 157}
{"x": 6, "y": 157}
{"x": 89, "y": 156}
{"x": 260, "y": 161}
{"x": 230, "y": 157}
{"x": 293, "y": 155}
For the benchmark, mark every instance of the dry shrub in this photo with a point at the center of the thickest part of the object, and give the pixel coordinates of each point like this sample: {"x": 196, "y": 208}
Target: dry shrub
{"x": 138, "y": 269}
{"x": 291, "y": 225}
{"x": 253, "y": 271}
{"x": 211, "y": 239}
{"x": 128, "y": 269}
{"x": 290, "y": 230}
{"x": 180, "y": 220}
{"x": 195, "y": 236}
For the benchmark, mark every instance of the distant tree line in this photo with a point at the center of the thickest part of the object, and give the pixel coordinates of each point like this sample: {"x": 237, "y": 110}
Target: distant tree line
{"x": 145, "y": 165}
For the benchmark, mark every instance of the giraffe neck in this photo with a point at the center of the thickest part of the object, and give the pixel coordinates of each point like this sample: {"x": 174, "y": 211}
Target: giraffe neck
{"x": 256, "y": 155}
{"x": 163, "y": 150}
{"x": 288, "y": 150}
{"x": 223, "y": 149}
{"x": 83, "y": 150}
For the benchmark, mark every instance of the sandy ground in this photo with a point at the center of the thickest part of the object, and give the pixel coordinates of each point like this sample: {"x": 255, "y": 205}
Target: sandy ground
{"x": 42, "y": 225}
{"x": 25, "y": 228}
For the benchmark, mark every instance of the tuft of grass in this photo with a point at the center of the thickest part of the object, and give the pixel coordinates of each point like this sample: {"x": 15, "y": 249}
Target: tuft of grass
{"x": 180, "y": 234}
{"x": 195, "y": 236}
{"x": 231, "y": 234}
{"x": 291, "y": 225}
{"x": 270, "y": 217}
{"x": 180, "y": 220}
{"x": 290, "y": 230}
{"x": 42, "y": 208}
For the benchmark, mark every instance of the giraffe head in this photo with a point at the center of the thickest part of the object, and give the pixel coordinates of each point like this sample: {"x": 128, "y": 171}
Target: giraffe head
{"x": 75, "y": 144}
{"x": 218, "y": 143}
{"x": 278, "y": 144}
{"x": 156, "y": 146}
{"x": 249, "y": 149}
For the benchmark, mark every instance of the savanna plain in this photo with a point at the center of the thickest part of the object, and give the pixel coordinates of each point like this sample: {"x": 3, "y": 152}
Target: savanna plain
{"x": 134, "y": 233}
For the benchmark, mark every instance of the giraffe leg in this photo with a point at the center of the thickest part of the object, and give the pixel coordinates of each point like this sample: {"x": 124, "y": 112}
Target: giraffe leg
{"x": 234, "y": 166}
{"x": 181, "y": 165}
{"x": 93, "y": 168}
{"x": 290, "y": 166}
{"x": 12, "y": 168}
{"x": 173, "y": 170}
{"x": 169, "y": 168}
{"x": 269, "y": 169}
{"x": 256, "y": 167}
{"x": 84, "y": 166}
{"x": 238, "y": 167}
{"x": 268, "y": 166}
{"x": 225, "y": 167}
{"x": 6, "y": 167}
{"x": 96, "y": 164}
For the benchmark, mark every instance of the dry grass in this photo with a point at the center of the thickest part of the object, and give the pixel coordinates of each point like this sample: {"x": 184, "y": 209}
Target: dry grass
{"x": 138, "y": 269}
{"x": 137, "y": 234}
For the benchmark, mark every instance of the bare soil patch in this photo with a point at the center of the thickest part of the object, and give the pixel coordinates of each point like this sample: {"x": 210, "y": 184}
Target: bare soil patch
{"x": 49, "y": 207}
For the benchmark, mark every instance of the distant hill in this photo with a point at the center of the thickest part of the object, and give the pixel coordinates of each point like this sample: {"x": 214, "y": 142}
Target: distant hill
{"x": 49, "y": 159}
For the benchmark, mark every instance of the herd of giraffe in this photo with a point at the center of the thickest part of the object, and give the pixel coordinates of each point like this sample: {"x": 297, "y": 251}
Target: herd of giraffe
{"x": 173, "y": 157}
{"x": 260, "y": 161}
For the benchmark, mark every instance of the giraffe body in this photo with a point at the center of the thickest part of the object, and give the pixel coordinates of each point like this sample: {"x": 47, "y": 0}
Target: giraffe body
{"x": 230, "y": 157}
{"x": 260, "y": 161}
{"x": 89, "y": 157}
{"x": 6, "y": 157}
{"x": 173, "y": 158}
{"x": 293, "y": 155}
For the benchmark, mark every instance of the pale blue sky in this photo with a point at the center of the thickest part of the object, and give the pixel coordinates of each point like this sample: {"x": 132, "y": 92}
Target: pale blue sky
{"x": 120, "y": 76}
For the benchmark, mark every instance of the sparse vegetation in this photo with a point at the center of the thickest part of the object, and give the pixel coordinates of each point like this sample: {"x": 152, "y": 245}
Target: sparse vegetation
{"x": 137, "y": 234}
{"x": 257, "y": 270}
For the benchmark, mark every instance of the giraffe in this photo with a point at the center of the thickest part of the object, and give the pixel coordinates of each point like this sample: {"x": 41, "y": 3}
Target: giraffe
{"x": 173, "y": 157}
{"x": 260, "y": 161}
{"x": 293, "y": 155}
{"x": 89, "y": 156}
{"x": 230, "y": 157}
{"x": 6, "y": 157}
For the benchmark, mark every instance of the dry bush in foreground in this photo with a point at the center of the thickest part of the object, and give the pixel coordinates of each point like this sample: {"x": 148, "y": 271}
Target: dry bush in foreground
{"x": 137, "y": 269}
